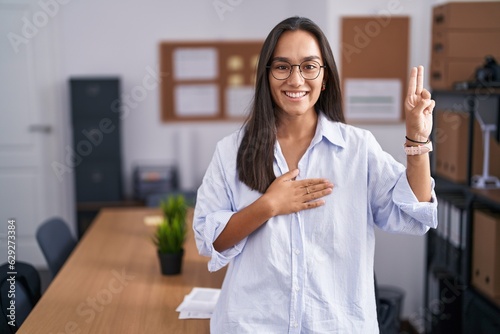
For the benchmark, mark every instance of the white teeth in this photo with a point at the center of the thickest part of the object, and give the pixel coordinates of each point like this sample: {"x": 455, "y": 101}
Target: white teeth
{"x": 295, "y": 95}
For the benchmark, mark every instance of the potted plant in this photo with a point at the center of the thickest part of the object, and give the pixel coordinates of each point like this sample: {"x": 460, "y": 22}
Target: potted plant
{"x": 170, "y": 234}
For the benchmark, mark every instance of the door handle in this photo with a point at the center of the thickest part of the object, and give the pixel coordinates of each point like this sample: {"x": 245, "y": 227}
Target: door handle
{"x": 40, "y": 128}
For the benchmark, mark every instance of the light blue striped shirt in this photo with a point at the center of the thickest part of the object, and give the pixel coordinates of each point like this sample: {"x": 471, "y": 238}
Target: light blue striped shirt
{"x": 311, "y": 271}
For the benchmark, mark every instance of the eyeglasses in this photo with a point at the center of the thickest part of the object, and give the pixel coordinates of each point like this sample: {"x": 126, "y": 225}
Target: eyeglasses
{"x": 309, "y": 69}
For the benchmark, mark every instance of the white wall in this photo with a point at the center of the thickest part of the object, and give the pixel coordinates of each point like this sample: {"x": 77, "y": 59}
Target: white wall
{"x": 121, "y": 38}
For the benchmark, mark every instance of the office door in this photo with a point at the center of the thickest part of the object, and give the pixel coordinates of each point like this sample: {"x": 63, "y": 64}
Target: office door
{"x": 28, "y": 188}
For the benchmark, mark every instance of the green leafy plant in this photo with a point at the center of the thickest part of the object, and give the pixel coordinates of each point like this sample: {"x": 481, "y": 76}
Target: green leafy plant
{"x": 171, "y": 232}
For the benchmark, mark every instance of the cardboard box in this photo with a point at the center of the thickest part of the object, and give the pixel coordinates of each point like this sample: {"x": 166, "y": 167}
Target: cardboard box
{"x": 466, "y": 43}
{"x": 451, "y": 140}
{"x": 466, "y": 15}
{"x": 451, "y": 136}
{"x": 486, "y": 253}
{"x": 446, "y": 72}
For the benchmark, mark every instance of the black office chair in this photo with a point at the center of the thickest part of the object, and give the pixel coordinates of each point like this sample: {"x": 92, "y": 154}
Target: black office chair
{"x": 56, "y": 242}
{"x": 27, "y": 293}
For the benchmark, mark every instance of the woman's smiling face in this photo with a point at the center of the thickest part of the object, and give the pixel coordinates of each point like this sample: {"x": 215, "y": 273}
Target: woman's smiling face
{"x": 296, "y": 96}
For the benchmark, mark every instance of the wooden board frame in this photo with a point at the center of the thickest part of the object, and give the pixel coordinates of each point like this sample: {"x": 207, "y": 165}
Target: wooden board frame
{"x": 248, "y": 51}
{"x": 376, "y": 47}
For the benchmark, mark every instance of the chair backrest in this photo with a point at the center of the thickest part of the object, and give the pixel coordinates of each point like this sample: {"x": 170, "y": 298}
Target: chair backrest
{"x": 26, "y": 295}
{"x": 56, "y": 242}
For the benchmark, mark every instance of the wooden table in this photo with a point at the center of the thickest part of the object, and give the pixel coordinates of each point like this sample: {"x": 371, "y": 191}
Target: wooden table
{"x": 112, "y": 283}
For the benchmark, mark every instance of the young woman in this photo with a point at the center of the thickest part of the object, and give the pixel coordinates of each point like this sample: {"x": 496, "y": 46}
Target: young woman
{"x": 291, "y": 200}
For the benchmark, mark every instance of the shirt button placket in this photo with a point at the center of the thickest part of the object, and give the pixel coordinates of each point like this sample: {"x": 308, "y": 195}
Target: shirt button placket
{"x": 297, "y": 276}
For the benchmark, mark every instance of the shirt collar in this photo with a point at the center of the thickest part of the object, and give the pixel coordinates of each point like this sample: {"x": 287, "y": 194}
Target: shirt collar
{"x": 329, "y": 130}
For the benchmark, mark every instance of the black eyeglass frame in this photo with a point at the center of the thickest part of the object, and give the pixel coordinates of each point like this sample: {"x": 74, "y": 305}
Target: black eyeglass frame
{"x": 300, "y": 70}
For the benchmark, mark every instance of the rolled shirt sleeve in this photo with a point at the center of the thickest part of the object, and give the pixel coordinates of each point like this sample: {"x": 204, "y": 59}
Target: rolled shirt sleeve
{"x": 214, "y": 208}
{"x": 404, "y": 198}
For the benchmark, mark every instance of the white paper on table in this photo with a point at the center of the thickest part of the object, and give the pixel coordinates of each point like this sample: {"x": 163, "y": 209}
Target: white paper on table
{"x": 196, "y": 306}
{"x": 199, "y": 303}
{"x": 238, "y": 100}
{"x": 194, "y": 315}
{"x": 196, "y": 100}
{"x": 153, "y": 220}
{"x": 195, "y": 63}
{"x": 373, "y": 99}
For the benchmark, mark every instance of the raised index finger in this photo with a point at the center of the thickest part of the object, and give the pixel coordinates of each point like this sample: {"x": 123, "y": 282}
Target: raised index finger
{"x": 412, "y": 84}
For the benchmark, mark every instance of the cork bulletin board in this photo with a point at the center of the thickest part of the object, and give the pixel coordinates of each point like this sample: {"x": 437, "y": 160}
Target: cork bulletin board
{"x": 207, "y": 81}
{"x": 374, "y": 68}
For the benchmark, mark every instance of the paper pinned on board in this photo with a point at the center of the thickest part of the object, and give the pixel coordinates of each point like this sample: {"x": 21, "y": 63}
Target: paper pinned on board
{"x": 195, "y": 63}
{"x": 373, "y": 99}
{"x": 197, "y": 100}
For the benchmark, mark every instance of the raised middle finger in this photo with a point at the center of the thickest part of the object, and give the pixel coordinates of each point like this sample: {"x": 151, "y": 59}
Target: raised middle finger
{"x": 420, "y": 80}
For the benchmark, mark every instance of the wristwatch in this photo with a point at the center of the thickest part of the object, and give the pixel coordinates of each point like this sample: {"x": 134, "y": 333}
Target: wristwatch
{"x": 418, "y": 149}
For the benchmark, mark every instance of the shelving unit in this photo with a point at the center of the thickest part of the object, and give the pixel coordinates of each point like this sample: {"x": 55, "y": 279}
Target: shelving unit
{"x": 452, "y": 303}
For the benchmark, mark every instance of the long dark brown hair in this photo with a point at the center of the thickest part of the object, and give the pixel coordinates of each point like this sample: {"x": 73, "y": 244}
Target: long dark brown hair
{"x": 256, "y": 152}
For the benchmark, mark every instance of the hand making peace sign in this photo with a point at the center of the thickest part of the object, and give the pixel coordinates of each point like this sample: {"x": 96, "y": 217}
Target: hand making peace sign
{"x": 418, "y": 107}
